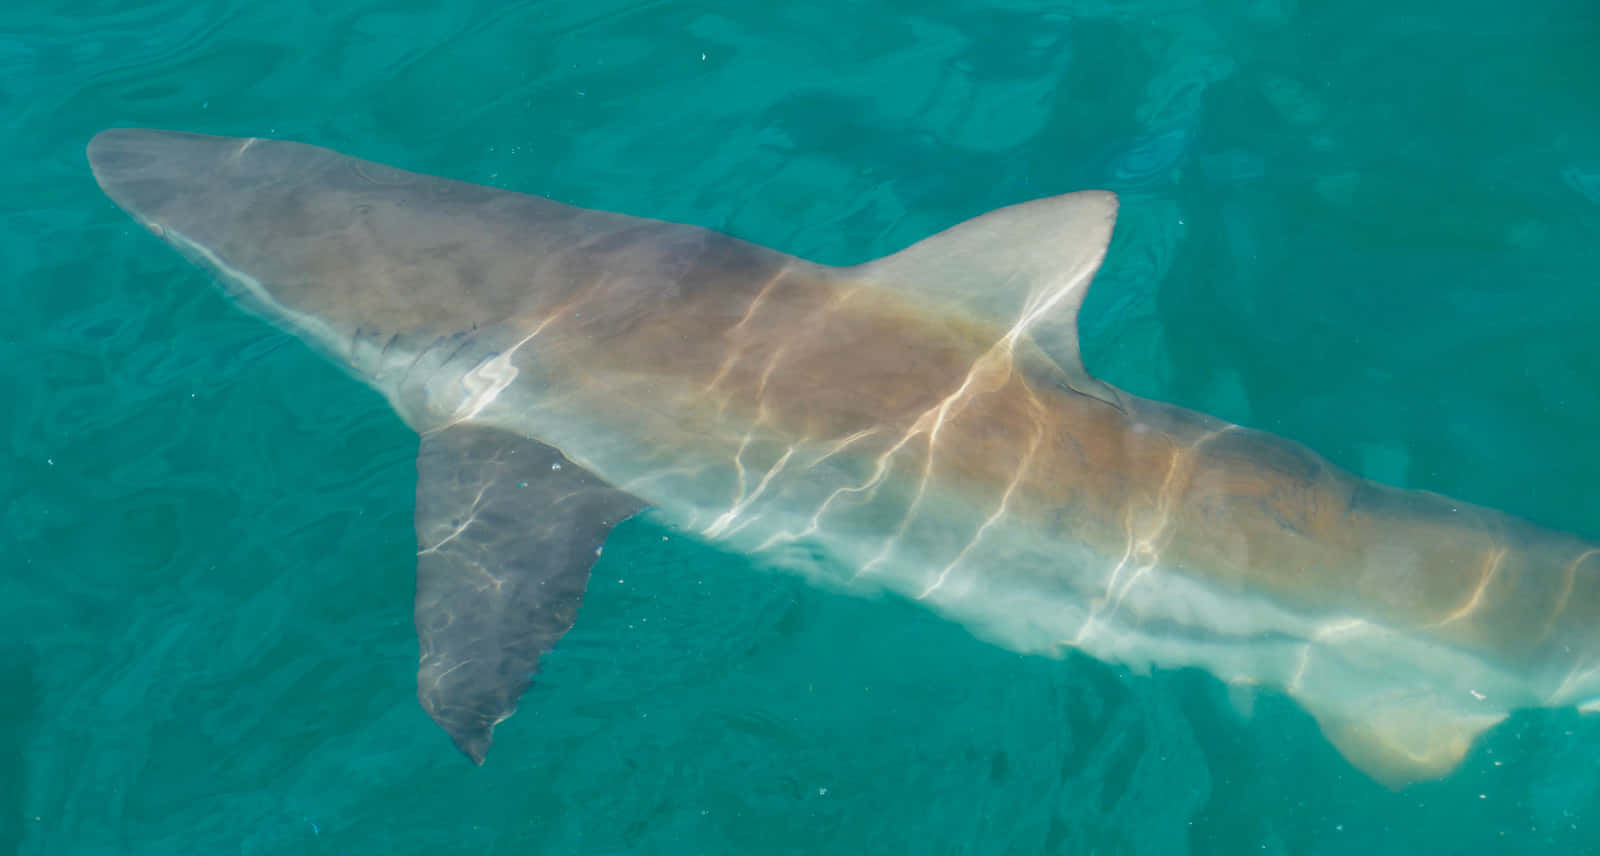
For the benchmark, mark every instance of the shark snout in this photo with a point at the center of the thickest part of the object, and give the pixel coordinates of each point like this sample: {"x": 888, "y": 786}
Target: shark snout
{"x": 120, "y": 152}
{"x": 145, "y": 171}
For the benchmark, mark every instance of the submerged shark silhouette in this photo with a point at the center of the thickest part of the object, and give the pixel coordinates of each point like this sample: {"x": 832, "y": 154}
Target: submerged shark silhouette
{"x": 921, "y": 423}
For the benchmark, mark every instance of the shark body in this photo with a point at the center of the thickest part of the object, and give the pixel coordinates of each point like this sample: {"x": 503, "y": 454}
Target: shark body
{"x": 921, "y": 424}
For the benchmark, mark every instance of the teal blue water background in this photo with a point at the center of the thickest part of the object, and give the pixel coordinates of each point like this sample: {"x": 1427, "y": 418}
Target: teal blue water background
{"x": 1370, "y": 226}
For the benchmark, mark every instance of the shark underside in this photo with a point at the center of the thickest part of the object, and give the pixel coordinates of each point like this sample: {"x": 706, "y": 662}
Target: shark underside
{"x": 921, "y": 424}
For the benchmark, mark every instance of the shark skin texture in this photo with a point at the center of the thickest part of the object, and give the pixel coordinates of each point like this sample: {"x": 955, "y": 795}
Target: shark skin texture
{"x": 920, "y": 424}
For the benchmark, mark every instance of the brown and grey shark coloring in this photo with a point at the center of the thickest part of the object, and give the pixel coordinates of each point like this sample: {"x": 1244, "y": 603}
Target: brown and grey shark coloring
{"x": 921, "y": 423}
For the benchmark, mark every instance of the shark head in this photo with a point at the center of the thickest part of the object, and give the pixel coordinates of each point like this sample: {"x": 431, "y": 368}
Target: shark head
{"x": 410, "y": 282}
{"x": 401, "y": 278}
{"x": 277, "y": 224}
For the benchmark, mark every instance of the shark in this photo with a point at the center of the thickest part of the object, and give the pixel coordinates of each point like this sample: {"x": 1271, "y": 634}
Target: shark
{"x": 921, "y": 424}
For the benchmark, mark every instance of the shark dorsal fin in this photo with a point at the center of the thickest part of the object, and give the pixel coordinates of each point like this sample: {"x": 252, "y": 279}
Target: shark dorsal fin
{"x": 1024, "y": 268}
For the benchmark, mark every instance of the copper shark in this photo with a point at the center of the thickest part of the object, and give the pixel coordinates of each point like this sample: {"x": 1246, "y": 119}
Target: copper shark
{"x": 921, "y": 424}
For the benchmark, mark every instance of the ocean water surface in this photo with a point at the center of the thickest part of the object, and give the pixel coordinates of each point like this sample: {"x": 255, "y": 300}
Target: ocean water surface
{"x": 1371, "y": 227}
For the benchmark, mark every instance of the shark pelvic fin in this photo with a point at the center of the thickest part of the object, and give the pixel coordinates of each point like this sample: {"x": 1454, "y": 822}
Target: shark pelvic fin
{"x": 507, "y": 529}
{"x": 1024, "y": 268}
{"x": 1399, "y": 746}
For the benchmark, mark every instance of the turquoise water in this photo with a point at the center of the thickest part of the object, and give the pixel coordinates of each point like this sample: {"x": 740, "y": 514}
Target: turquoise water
{"x": 1368, "y": 226}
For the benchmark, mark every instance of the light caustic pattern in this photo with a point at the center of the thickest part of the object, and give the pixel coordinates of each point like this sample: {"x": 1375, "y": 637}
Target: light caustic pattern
{"x": 923, "y": 436}
{"x": 1578, "y": 685}
{"x": 1493, "y": 560}
{"x": 1111, "y": 599}
{"x": 1322, "y": 656}
{"x": 744, "y": 496}
{"x": 1146, "y": 535}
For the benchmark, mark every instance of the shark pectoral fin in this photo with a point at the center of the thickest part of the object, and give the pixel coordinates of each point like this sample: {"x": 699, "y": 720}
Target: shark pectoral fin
{"x": 507, "y": 529}
{"x": 1025, "y": 268}
{"x": 1243, "y": 695}
{"x": 1401, "y": 746}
